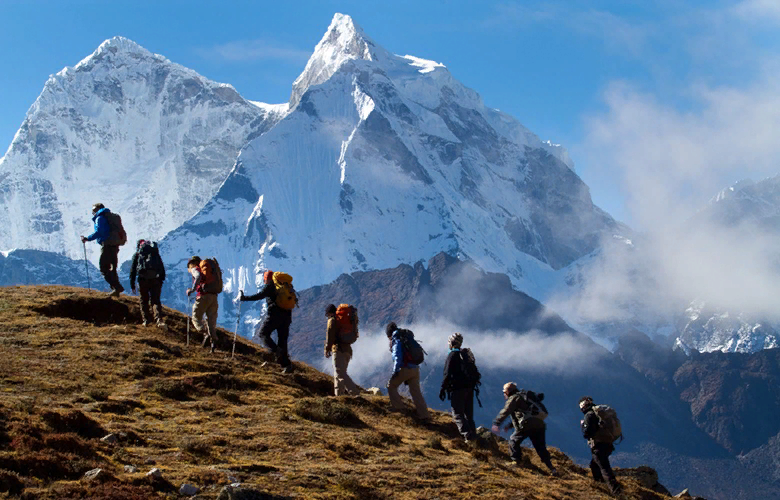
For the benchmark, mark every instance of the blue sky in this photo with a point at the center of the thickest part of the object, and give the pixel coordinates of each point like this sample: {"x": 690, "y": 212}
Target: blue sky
{"x": 617, "y": 82}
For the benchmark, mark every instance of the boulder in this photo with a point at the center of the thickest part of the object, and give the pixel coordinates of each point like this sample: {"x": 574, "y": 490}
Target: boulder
{"x": 188, "y": 490}
{"x": 130, "y": 469}
{"x": 110, "y": 439}
{"x": 156, "y": 473}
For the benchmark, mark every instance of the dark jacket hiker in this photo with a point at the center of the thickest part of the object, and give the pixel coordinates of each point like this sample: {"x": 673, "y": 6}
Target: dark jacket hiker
{"x": 527, "y": 415}
{"x": 148, "y": 266}
{"x": 600, "y": 440}
{"x": 109, "y": 234}
{"x": 278, "y": 317}
{"x": 461, "y": 380}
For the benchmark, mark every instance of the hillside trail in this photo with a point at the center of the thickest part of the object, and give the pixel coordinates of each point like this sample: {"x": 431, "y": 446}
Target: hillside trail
{"x": 78, "y": 366}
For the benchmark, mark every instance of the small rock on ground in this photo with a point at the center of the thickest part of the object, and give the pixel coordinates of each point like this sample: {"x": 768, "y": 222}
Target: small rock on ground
{"x": 131, "y": 469}
{"x": 188, "y": 490}
{"x": 110, "y": 439}
{"x": 155, "y": 473}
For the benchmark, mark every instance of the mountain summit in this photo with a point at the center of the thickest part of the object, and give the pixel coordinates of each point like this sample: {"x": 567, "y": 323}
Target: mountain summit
{"x": 387, "y": 159}
{"x": 151, "y": 139}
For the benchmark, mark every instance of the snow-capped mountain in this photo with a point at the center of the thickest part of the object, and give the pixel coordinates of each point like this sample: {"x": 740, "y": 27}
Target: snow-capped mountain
{"x": 386, "y": 159}
{"x": 150, "y": 139}
{"x": 36, "y": 267}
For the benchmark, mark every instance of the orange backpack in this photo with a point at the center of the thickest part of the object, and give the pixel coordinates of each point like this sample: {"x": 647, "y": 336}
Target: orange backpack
{"x": 212, "y": 275}
{"x": 347, "y": 319}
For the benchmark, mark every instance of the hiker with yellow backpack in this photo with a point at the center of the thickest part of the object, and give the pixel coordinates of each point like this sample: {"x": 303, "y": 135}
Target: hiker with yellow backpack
{"x": 281, "y": 299}
{"x": 342, "y": 332}
{"x": 207, "y": 283}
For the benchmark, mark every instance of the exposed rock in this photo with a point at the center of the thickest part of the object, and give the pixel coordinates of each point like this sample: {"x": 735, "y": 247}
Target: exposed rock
{"x": 131, "y": 469}
{"x": 376, "y": 391}
{"x": 93, "y": 474}
{"x": 110, "y": 439}
{"x": 233, "y": 492}
{"x": 157, "y": 473}
{"x": 188, "y": 490}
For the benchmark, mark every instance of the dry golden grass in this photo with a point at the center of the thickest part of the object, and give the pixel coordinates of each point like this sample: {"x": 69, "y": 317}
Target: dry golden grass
{"x": 77, "y": 366}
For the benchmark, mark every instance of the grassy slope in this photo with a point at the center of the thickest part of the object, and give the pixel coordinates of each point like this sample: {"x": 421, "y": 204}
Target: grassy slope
{"x": 77, "y": 366}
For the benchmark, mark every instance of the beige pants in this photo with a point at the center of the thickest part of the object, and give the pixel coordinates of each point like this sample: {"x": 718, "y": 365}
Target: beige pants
{"x": 207, "y": 304}
{"x": 342, "y": 383}
{"x": 412, "y": 377}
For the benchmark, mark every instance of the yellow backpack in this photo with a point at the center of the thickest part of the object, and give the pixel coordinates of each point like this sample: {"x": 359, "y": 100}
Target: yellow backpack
{"x": 286, "y": 297}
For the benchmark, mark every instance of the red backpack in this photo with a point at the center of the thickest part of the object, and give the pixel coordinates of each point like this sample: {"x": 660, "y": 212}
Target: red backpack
{"x": 347, "y": 319}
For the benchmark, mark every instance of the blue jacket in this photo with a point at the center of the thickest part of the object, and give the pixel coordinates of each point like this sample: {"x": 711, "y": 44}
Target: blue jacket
{"x": 102, "y": 227}
{"x": 398, "y": 354}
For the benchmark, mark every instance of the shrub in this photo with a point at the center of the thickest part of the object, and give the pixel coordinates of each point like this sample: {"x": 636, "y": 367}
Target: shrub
{"x": 434, "y": 442}
{"x": 327, "y": 411}
{"x": 196, "y": 446}
{"x": 173, "y": 389}
{"x": 98, "y": 394}
{"x": 379, "y": 439}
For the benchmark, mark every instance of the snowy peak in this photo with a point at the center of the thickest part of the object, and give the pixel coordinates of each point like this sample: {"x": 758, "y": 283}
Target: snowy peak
{"x": 344, "y": 41}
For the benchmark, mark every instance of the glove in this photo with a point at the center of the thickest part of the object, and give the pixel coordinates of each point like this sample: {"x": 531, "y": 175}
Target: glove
{"x": 442, "y": 394}
{"x": 241, "y": 296}
{"x": 83, "y": 239}
{"x": 189, "y": 292}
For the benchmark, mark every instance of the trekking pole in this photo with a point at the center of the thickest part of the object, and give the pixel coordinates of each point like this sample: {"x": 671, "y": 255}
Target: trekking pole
{"x": 86, "y": 265}
{"x": 189, "y": 303}
{"x": 238, "y": 320}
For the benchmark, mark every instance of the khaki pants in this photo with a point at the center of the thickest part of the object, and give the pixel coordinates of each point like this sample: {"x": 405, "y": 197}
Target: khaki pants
{"x": 412, "y": 377}
{"x": 342, "y": 383}
{"x": 207, "y": 304}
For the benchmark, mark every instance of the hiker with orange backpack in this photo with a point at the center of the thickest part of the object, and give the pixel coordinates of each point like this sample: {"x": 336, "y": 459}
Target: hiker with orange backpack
{"x": 207, "y": 283}
{"x": 281, "y": 299}
{"x": 110, "y": 235}
{"x": 342, "y": 332}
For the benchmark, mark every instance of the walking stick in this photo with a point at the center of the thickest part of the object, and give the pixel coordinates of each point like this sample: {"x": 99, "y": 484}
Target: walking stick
{"x": 238, "y": 320}
{"x": 86, "y": 265}
{"x": 189, "y": 303}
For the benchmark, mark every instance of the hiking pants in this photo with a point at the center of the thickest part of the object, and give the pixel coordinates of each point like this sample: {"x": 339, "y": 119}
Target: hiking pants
{"x": 538, "y": 440}
{"x": 281, "y": 323}
{"x": 600, "y": 467}
{"x": 462, "y": 401}
{"x": 207, "y": 304}
{"x": 150, "y": 296}
{"x": 412, "y": 378}
{"x": 109, "y": 260}
{"x": 342, "y": 383}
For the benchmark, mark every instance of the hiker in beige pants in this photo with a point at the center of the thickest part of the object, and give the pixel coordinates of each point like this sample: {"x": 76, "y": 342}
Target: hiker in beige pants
{"x": 404, "y": 372}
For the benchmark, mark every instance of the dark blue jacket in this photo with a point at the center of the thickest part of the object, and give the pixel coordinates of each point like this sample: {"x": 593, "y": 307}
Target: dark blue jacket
{"x": 102, "y": 227}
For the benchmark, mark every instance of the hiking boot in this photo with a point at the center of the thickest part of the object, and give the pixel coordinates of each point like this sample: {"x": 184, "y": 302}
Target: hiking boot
{"x": 114, "y": 293}
{"x": 145, "y": 324}
{"x": 212, "y": 349}
{"x": 162, "y": 326}
{"x": 288, "y": 369}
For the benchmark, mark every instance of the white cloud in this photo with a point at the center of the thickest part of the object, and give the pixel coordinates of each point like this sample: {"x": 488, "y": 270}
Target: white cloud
{"x": 759, "y": 10}
{"x": 255, "y": 50}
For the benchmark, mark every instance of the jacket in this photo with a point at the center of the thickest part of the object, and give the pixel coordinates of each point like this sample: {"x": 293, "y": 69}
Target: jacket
{"x": 102, "y": 227}
{"x": 454, "y": 378}
{"x": 134, "y": 268}
{"x": 269, "y": 294}
{"x": 397, "y": 349}
{"x": 197, "y": 280}
{"x": 590, "y": 426}
{"x": 332, "y": 338}
{"x": 515, "y": 408}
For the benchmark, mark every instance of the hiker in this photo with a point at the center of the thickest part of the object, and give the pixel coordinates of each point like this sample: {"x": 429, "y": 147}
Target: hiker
{"x": 148, "y": 266}
{"x": 206, "y": 302}
{"x": 601, "y": 435}
{"x": 405, "y": 371}
{"x": 461, "y": 379}
{"x": 110, "y": 235}
{"x": 280, "y": 300}
{"x": 342, "y": 332}
{"x": 527, "y": 412}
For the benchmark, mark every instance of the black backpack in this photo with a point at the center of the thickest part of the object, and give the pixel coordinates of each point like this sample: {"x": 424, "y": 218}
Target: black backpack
{"x": 535, "y": 406}
{"x": 469, "y": 370}
{"x": 150, "y": 264}
{"x": 413, "y": 351}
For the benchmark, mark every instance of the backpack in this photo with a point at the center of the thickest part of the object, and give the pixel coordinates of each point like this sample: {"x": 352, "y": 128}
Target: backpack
{"x": 150, "y": 264}
{"x": 117, "y": 235}
{"x": 347, "y": 318}
{"x": 285, "y": 293}
{"x": 469, "y": 369}
{"x": 535, "y": 406}
{"x": 212, "y": 276}
{"x": 609, "y": 424}
{"x": 413, "y": 352}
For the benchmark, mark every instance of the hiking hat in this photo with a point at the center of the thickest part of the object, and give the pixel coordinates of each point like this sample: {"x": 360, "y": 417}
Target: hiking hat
{"x": 140, "y": 242}
{"x": 268, "y": 275}
{"x": 585, "y": 403}
{"x": 456, "y": 340}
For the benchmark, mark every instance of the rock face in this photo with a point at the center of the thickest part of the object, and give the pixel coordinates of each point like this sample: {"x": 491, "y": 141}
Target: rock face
{"x": 27, "y": 267}
{"x": 149, "y": 138}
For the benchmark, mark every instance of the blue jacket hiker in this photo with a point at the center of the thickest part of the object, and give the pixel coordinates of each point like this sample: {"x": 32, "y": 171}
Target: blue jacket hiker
{"x": 404, "y": 373}
{"x": 109, "y": 254}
